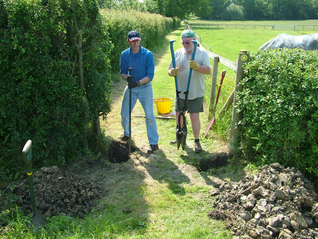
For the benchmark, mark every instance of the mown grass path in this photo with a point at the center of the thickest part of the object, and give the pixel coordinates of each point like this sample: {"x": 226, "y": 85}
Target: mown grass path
{"x": 166, "y": 195}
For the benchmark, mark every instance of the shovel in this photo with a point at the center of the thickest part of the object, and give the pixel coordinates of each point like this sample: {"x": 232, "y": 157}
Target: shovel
{"x": 178, "y": 129}
{"x": 181, "y": 132}
{"x": 38, "y": 220}
{"x": 130, "y": 78}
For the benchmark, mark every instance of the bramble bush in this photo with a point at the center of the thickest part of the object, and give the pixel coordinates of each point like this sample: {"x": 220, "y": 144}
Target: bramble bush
{"x": 280, "y": 109}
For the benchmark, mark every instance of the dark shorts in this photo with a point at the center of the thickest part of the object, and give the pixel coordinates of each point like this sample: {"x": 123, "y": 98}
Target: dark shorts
{"x": 193, "y": 106}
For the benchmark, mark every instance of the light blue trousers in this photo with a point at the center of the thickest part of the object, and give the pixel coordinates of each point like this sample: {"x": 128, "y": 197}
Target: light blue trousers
{"x": 145, "y": 96}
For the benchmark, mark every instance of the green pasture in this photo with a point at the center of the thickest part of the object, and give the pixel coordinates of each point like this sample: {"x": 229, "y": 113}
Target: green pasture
{"x": 229, "y": 42}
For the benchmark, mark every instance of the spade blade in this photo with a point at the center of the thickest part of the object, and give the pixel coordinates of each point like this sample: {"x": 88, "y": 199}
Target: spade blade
{"x": 184, "y": 137}
{"x": 179, "y": 136}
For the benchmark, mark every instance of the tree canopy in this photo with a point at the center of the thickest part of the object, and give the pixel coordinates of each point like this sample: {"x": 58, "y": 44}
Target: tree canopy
{"x": 223, "y": 9}
{"x": 168, "y": 8}
{"x": 262, "y": 10}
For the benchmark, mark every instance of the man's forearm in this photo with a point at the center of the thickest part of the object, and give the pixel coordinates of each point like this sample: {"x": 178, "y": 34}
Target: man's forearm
{"x": 204, "y": 70}
{"x": 144, "y": 80}
{"x": 124, "y": 76}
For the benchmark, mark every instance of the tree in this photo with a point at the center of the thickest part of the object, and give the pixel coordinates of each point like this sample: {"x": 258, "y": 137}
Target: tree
{"x": 254, "y": 9}
{"x": 122, "y": 5}
{"x": 202, "y": 8}
{"x": 306, "y": 9}
{"x": 265, "y": 9}
{"x": 183, "y": 8}
{"x": 151, "y": 6}
{"x": 232, "y": 12}
{"x": 216, "y": 7}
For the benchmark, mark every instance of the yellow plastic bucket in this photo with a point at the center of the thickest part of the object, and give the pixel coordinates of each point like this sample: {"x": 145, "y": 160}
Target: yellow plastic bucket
{"x": 163, "y": 105}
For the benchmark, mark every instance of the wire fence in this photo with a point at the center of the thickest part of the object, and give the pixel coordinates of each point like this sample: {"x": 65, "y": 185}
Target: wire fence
{"x": 227, "y": 95}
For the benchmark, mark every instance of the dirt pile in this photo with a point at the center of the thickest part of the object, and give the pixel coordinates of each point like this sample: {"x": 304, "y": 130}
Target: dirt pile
{"x": 276, "y": 202}
{"x": 59, "y": 192}
{"x": 72, "y": 191}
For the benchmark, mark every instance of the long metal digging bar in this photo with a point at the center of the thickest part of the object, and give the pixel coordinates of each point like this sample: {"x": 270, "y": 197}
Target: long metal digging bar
{"x": 178, "y": 128}
{"x": 38, "y": 220}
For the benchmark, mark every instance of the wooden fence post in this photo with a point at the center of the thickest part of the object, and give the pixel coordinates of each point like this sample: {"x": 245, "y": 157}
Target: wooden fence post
{"x": 236, "y": 117}
{"x": 213, "y": 86}
{"x": 227, "y": 104}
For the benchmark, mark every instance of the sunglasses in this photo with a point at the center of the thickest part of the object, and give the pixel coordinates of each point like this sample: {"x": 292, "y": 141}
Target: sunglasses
{"x": 185, "y": 43}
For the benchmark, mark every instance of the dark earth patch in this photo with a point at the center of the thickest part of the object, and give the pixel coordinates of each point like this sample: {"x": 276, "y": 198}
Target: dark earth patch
{"x": 119, "y": 151}
{"x": 216, "y": 161}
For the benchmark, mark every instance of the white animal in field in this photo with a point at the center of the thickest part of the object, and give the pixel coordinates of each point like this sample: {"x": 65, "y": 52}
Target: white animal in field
{"x": 305, "y": 42}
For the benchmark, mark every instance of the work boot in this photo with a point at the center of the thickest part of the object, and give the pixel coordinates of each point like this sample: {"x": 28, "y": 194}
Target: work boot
{"x": 123, "y": 137}
{"x": 152, "y": 148}
{"x": 197, "y": 147}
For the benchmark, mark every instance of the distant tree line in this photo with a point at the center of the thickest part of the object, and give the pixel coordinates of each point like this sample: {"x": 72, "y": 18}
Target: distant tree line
{"x": 223, "y": 9}
{"x": 263, "y": 10}
{"x": 180, "y": 9}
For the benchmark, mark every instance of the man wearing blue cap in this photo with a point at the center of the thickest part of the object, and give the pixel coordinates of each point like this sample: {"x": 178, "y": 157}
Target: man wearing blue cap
{"x": 142, "y": 62}
{"x": 201, "y": 67}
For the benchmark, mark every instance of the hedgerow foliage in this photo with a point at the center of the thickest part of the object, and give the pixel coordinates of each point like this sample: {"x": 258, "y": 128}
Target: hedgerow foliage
{"x": 280, "y": 109}
{"x": 56, "y": 58}
{"x": 151, "y": 27}
{"x": 55, "y": 78}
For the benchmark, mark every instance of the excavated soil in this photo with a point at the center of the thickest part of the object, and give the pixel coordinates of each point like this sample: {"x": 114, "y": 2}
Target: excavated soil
{"x": 72, "y": 191}
{"x": 60, "y": 192}
{"x": 276, "y": 202}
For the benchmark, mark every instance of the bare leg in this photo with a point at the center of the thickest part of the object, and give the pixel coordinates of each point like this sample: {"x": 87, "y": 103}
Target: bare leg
{"x": 195, "y": 121}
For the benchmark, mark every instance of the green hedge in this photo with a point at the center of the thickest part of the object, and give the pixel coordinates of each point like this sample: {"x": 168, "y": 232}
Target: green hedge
{"x": 56, "y": 63}
{"x": 280, "y": 109}
{"x": 44, "y": 45}
{"x": 152, "y": 28}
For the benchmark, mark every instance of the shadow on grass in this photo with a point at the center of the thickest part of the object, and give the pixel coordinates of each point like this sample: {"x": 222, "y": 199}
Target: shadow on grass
{"x": 160, "y": 168}
{"x": 214, "y": 165}
{"x": 165, "y": 171}
{"x": 125, "y": 206}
